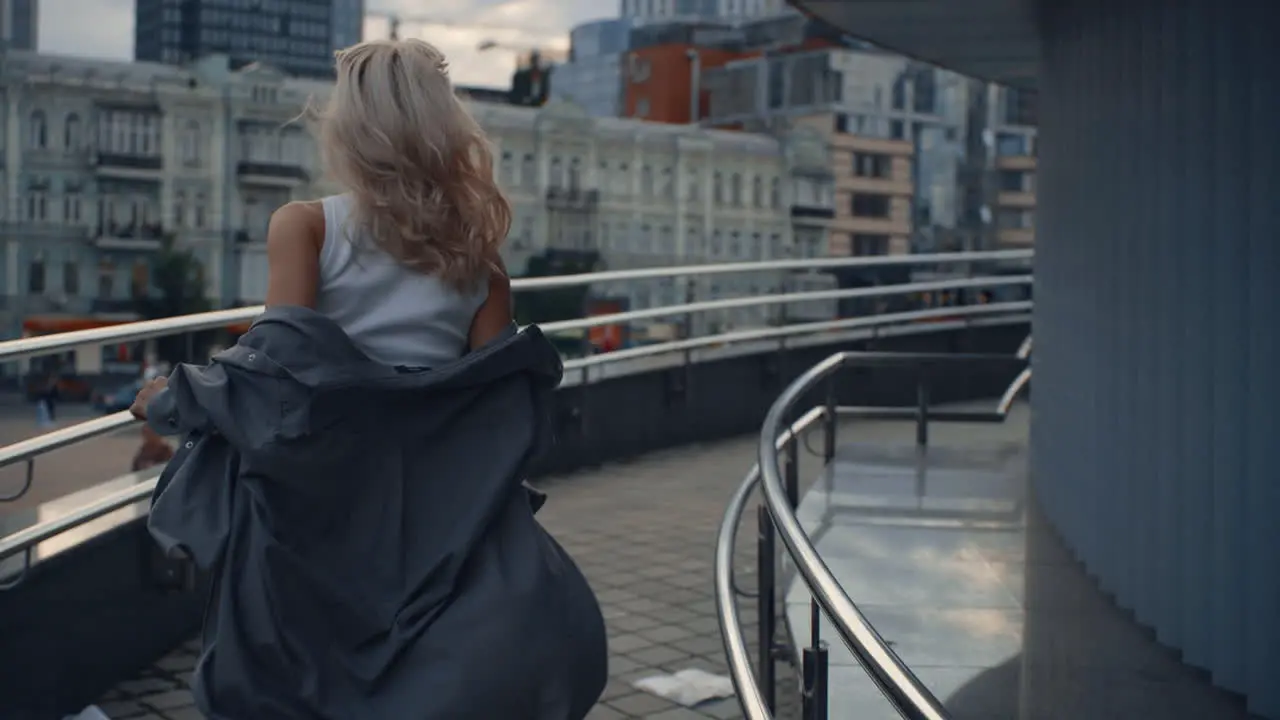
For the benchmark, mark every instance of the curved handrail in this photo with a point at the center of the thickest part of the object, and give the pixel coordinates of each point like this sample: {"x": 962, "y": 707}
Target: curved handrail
{"x": 24, "y": 541}
{"x": 784, "y": 299}
{"x": 147, "y": 329}
{"x": 1011, "y": 393}
{"x": 910, "y": 696}
{"x": 735, "y": 646}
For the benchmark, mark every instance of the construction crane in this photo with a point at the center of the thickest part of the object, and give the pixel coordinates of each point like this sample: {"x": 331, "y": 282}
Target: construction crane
{"x": 395, "y": 20}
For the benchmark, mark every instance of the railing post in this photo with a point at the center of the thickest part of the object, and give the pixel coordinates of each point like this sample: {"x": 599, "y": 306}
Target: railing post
{"x": 765, "y": 608}
{"x": 813, "y": 693}
{"x": 922, "y": 407}
{"x": 829, "y": 424}
{"x": 690, "y": 297}
{"x": 791, "y": 469}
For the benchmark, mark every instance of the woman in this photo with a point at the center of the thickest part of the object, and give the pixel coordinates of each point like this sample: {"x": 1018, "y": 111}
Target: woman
{"x": 352, "y": 468}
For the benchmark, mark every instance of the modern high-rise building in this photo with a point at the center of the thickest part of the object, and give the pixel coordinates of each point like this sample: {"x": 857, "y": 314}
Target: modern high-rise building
{"x": 296, "y": 36}
{"x": 642, "y": 11}
{"x": 19, "y": 20}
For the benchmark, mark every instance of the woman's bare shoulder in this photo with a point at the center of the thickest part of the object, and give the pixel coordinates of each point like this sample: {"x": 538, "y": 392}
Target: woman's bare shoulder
{"x": 298, "y": 221}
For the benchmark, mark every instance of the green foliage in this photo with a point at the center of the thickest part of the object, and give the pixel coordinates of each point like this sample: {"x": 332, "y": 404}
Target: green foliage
{"x": 544, "y": 306}
{"x": 177, "y": 287}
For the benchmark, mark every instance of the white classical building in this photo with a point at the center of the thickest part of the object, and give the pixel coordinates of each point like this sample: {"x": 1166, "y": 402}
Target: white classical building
{"x": 646, "y": 194}
{"x": 105, "y": 160}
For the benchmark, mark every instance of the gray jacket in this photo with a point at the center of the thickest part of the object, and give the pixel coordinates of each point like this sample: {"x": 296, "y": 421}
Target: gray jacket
{"x": 373, "y": 551}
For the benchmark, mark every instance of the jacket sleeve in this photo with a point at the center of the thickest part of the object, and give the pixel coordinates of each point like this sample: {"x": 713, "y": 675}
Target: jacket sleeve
{"x": 244, "y": 407}
{"x": 177, "y": 409}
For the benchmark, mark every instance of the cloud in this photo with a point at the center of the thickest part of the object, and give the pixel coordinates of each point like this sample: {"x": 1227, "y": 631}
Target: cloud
{"x": 104, "y": 29}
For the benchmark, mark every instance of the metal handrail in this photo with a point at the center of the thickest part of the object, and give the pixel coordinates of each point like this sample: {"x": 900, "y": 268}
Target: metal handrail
{"x": 1011, "y": 393}
{"x": 735, "y": 646}
{"x": 48, "y": 344}
{"x": 10, "y": 546}
{"x": 563, "y": 281}
{"x": 784, "y": 298}
{"x": 24, "y": 541}
{"x": 819, "y": 326}
{"x": 910, "y": 696}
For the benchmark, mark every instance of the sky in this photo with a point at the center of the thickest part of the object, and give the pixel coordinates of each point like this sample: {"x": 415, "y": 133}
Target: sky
{"x": 104, "y": 29}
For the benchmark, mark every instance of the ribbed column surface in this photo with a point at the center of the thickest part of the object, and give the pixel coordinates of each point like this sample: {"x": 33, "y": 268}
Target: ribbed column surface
{"x": 1154, "y": 439}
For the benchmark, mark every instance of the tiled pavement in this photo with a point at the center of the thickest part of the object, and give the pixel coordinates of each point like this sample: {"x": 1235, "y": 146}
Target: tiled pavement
{"x": 644, "y": 533}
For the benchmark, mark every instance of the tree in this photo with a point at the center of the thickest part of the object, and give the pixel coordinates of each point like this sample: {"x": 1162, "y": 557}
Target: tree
{"x": 177, "y": 287}
{"x": 544, "y": 306}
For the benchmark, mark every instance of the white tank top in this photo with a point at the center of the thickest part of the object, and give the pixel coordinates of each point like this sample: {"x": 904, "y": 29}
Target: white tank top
{"x": 395, "y": 315}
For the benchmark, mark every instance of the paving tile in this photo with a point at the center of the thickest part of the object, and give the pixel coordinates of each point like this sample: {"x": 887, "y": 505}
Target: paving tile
{"x": 640, "y": 703}
{"x": 604, "y": 712}
{"x": 168, "y": 700}
{"x": 727, "y": 709}
{"x": 659, "y": 655}
{"x": 676, "y": 714}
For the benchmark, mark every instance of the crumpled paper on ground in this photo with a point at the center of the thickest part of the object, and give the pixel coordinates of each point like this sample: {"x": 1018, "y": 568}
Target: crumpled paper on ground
{"x": 688, "y": 687}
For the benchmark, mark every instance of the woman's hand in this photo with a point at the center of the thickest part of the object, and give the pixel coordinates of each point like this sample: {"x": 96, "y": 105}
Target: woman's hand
{"x": 144, "y": 396}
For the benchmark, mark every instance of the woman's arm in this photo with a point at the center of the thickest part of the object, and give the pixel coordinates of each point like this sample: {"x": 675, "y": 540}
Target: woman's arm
{"x": 496, "y": 314}
{"x": 294, "y": 239}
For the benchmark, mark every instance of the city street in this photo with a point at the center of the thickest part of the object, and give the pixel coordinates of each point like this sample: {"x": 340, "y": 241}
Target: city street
{"x": 65, "y": 470}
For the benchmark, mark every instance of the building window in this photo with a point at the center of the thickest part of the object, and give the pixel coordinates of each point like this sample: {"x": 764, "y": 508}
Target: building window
{"x": 528, "y": 173}
{"x": 870, "y": 206}
{"x": 140, "y": 279}
{"x": 199, "y": 210}
{"x": 506, "y": 168}
{"x": 717, "y": 188}
{"x": 642, "y": 108}
{"x": 575, "y": 174}
{"x": 179, "y": 210}
{"x": 71, "y": 278}
{"x": 1012, "y": 181}
{"x": 646, "y": 181}
{"x": 556, "y": 179}
{"x": 757, "y": 191}
{"x": 39, "y": 130}
{"x": 191, "y": 143}
{"x": 71, "y": 133}
{"x": 871, "y": 165}
{"x": 35, "y": 276}
{"x": 870, "y": 245}
{"x": 37, "y": 206}
{"x": 106, "y": 279}
{"x": 735, "y": 189}
{"x": 71, "y": 209}
{"x": 1010, "y": 145}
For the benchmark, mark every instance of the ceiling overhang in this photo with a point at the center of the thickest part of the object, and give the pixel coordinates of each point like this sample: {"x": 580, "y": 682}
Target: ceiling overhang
{"x": 993, "y": 40}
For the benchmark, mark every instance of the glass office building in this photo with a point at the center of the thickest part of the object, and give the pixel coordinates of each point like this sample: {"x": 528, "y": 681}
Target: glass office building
{"x": 296, "y": 36}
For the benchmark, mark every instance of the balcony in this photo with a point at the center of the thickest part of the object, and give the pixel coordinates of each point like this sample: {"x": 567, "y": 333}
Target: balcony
{"x": 1016, "y": 238}
{"x": 812, "y": 212}
{"x": 572, "y": 200}
{"x": 131, "y": 237}
{"x": 272, "y": 174}
{"x": 1016, "y": 199}
{"x": 1016, "y": 162}
{"x": 126, "y": 164}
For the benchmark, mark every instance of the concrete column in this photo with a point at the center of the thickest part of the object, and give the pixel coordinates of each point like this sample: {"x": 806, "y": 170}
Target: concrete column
{"x": 1156, "y": 403}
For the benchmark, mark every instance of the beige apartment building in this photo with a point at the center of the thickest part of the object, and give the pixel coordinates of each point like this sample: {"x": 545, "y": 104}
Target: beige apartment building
{"x": 873, "y": 190}
{"x": 1013, "y": 124}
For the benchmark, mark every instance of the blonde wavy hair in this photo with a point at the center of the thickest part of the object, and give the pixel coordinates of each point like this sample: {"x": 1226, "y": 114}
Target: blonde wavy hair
{"x": 418, "y": 166}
